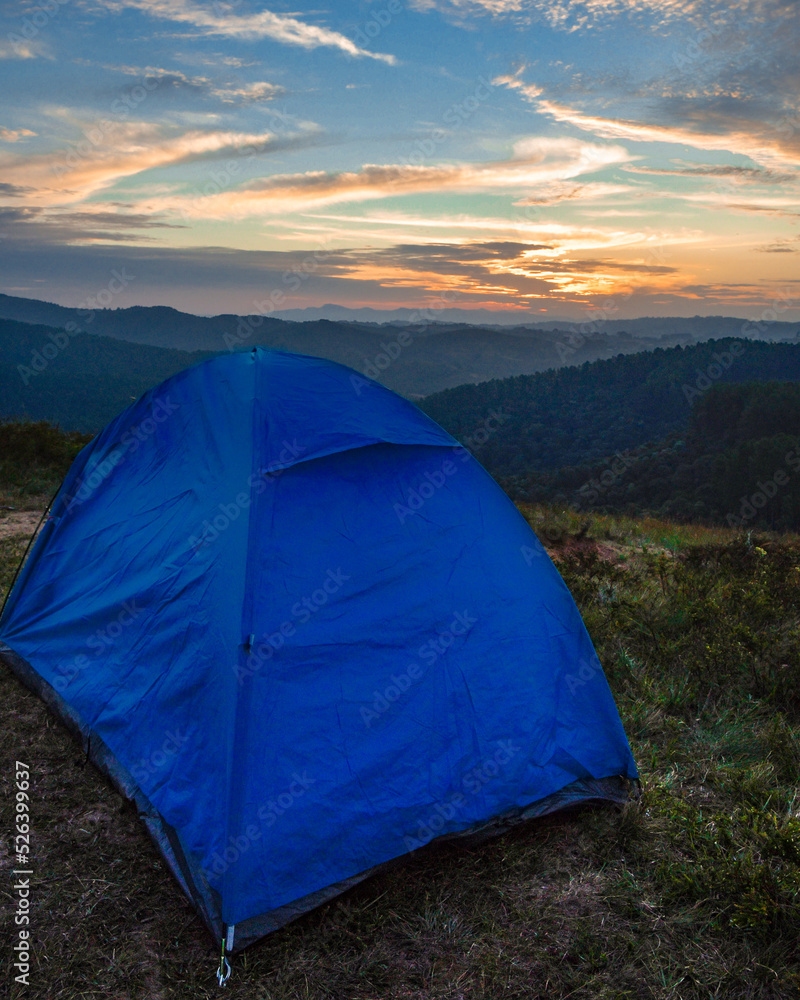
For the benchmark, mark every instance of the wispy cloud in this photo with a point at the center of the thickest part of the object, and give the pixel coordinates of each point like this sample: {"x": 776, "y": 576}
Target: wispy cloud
{"x": 705, "y": 129}
{"x": 783, "y": 246}
{"x": 560, "y": 237}
{"x": 29, "y": 225}
{"x": 537, "y": 161}
{"x": 211, "y": 20}
{"x": 738, "y": 175}
{"x": 571, "y": 15}
{"x": 734, "y": 202}
{"x": 552, "y": 194}
{"x": 708, "y": 123}
{"x": 228, "y": 91}
{"x": 13, "y": 190}
{"x": 75, "y": 173}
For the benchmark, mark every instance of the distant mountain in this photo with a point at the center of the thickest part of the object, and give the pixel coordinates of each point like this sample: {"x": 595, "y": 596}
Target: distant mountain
{"x": 115, "y": 354}
{"x": 81, "y": 380}
{"x": 419, "y": 317}
{"x": 412, "y": 360}
{"x": 679, "y": 329}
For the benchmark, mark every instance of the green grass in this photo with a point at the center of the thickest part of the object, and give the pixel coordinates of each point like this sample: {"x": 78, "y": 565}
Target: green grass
{"x": 34, "y": 458}
{"x": 692, "y": 892}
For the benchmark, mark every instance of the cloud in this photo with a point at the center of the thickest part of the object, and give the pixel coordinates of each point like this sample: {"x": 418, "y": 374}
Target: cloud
{"x": 512, "y": 274}
{"x": 711, "y": 123}
{"x": 216, "y": 59}
{"x": 14, "y": 135}
{"x": 503, "y": 271}
{"x": 212, "y": 20}
{"x": 21, "y": 48}
{"x": 703, "y": 129}
{"x": 786, "y": 207}
{"x": 246, "y": 93}
{"x": 542, "y": 235}
{"x": 570, "y": 15}
{"x": 115, "y": 150}
{"x": 530, "y": 91}
{"x": 535, "y": 162}
{"x": 13, "y": 190}
{"x": 743, "y": 175}
{"x": 31, "y": 225}
{"x": 235, "y": 91}
{"x": 782, "y": 247}
{"x": 552, "y": 194}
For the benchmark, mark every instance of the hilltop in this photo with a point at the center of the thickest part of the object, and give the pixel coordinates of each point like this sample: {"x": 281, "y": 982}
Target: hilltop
{"x": 691, "y": 892}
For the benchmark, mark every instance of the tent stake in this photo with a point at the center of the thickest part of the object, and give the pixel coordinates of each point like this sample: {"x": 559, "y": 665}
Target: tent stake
{"x": 224, "y": 970}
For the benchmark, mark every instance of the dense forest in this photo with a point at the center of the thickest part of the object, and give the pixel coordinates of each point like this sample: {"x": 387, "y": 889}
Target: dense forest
{"x": 574, "y": 416}
{"x": 737, "y": 464}
{"x": 702, "y": 433}
{"x": 77, "y": 380}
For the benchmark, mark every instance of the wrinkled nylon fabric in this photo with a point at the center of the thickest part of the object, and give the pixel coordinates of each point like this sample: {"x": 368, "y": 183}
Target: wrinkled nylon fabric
{"x": 310, "y": 626}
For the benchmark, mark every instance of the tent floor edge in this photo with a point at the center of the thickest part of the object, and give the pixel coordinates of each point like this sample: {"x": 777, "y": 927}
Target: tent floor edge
{"x": 163, "y": 835}
{"x": 610, "y": 790}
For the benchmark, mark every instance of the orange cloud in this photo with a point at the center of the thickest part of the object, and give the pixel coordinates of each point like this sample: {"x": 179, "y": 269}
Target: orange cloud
{"x": 114, "y": 150}
{"x": 14, "y": 135}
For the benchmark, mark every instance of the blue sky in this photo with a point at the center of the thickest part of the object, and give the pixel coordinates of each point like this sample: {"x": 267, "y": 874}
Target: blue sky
{"x": 565, "y": 159}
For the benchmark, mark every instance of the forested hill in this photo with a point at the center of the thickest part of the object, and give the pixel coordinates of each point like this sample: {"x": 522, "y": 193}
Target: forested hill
{"x": 79, "y": 381}
{"x": 413, "y": 360}
{"x": 737, "y": 463}
{"x": 575, "y": 416}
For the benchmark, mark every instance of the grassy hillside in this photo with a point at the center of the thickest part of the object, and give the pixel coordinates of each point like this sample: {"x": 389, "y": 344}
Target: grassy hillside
{"x": 693, "y": 892}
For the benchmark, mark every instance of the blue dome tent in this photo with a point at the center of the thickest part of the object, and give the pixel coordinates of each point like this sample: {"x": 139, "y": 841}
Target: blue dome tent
{"x": 306, "y": 633}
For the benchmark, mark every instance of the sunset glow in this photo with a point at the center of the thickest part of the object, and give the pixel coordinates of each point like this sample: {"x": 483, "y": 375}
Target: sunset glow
{"x": 545, "y": 159}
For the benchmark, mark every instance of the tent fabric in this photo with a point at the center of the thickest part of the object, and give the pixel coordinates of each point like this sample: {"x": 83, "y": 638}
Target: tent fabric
{"x": 305, "y": 631}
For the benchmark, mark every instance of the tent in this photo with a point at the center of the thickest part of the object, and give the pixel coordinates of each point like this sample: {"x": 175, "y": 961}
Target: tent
{"x": 306, "y": 633}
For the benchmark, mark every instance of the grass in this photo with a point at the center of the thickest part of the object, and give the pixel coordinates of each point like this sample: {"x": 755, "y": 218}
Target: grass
{"x": 34, "y": 457}
{"x": 692, "y": 892}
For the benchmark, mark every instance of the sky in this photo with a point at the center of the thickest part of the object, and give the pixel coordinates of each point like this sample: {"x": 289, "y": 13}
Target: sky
{"x": 550, "y": 159}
